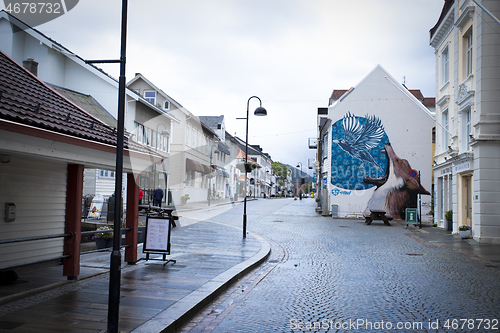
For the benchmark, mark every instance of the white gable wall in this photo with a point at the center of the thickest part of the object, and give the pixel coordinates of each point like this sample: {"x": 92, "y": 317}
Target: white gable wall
{"x": 406, "y": 124}
{"x": 59, "y": 69}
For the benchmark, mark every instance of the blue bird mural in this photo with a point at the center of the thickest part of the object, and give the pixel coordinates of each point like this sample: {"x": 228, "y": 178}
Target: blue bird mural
{"x": 359, "y": 138}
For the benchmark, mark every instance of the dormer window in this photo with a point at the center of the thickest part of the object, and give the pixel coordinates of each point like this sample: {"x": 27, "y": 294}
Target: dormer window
{"x": 166, "y": 105}
{"x": 150, "y": 96}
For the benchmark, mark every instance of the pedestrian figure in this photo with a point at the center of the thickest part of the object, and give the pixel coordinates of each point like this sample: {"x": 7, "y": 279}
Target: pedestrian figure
{"x": 157, "y": 196}
{"x": 141, "y": 194}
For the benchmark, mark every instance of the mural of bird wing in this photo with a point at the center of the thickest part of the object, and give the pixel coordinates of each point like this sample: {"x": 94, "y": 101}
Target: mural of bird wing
{"x": 352, "y": 128}
{"x": 371, "y": 134}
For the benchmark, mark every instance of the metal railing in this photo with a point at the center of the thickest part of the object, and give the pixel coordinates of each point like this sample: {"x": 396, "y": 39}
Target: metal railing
{"x": 69, "y": 234}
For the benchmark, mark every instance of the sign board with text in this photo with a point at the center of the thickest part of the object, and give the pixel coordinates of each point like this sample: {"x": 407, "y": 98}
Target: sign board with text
{"x": 157, "y": 235}
{"x": 411, "y": 215}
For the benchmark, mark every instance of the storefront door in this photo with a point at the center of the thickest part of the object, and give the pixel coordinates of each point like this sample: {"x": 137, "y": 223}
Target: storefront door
{"x": 468, "y": 199}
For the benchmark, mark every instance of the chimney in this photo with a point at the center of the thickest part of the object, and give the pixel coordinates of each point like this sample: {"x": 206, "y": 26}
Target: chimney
{"x": 31, "y": 65}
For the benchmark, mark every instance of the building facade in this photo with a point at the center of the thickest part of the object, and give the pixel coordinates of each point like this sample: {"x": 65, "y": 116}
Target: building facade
{"x": 466, "y": 42}
{"x": 375, "y": 150}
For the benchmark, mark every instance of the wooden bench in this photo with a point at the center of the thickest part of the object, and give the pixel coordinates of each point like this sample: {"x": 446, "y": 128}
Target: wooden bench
{"x": 377, "y": 215}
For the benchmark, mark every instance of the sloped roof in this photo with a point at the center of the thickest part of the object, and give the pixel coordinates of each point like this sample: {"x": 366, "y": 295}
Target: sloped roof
{"x": 25, "y": 99}
{"x": 429, "y": 102}
{"x": 417, "y": 93}
{"x": 402, "y": 88}
{"x": 211, "y": 121}
{"x": 161, "y": 92}
{"x": 51, "y": 43}
{"x": 446, "y": 8}
{"x": 88, "y": 103}
{"x": 336, "y": 94}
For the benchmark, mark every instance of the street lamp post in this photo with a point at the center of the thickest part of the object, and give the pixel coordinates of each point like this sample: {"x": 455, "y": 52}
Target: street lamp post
{"x": 260, "y": 111}
{"x": 300, "y": 185}
{"x": 115, "y": 260}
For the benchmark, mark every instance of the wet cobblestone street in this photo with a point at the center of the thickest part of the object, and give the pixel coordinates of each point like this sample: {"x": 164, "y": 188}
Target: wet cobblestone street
{"x": 340, "y": 275}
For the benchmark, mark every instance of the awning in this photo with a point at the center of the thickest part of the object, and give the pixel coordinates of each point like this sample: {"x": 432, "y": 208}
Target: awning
{"x": 207, "y": 169}
{"x": 222, "y": 173}
{"x": 196, "y": 166}
{"x": 223, "y": 149}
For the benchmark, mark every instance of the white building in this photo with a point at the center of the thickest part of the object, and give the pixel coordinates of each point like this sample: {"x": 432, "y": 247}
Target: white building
{"x": 466, "y": 41}
{"x": 56, "y": 65}
{"x": 373, "y": 136}
{"x": 46, "y": 141}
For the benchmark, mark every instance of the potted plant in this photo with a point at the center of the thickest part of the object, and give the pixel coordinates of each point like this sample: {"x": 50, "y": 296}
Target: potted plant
{"x": 185, "y": 198}
{"x": 464, "y": 231}
{"x": 448, "y": 216}
{"x": 141, "y": 232}
{"x": 103, "y": 239}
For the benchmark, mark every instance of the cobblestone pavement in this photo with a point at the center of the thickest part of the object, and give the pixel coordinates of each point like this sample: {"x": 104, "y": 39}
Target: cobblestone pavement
{"x": 340, "y": 275}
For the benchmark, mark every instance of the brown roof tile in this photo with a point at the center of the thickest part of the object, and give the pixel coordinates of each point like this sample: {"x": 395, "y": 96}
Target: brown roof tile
{"x": 417, "y": 93}
{"x": 336, "y": 94}
{"x": 27, "y": 100}
{"x": 429, "y": 102}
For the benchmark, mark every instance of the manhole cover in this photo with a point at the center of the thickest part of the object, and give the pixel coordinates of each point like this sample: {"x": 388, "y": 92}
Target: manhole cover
{"x": 414, "y": 254}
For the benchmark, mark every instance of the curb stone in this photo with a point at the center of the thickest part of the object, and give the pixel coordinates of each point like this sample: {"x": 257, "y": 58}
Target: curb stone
{"x": 182, "y": 311}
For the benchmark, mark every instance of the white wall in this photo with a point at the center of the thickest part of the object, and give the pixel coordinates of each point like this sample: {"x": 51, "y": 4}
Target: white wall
{"x": 407, "y": 126}
{"x": 38, "y": 189}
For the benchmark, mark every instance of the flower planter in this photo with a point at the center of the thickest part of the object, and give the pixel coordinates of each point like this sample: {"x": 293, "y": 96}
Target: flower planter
{"x": 184, "y": 201}
{"x": 464, "y": 233}
{"x": 100, "y": 243}
{"x": 103, "y": 243}
{"x": 141, "y": 235}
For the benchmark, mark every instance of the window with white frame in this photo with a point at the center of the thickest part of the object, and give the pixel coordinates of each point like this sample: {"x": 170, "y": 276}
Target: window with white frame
{"x": 468, "y": 55}
{"x": 324, "y": 145}
{"x": 445, "y": 66}
{"x": 165, "y": 143}
{"x": 149, "y": 134}
{"x": 188, "y": 135}
{"x": 140, "y": 133}
{"x": 444, "y": 130}
{"x": 466, "y": 128}
{"x": 166, "y": 105}
{"x": 150, "y": 96}
{"x": 193, "y": 138}
{"x": 151, "y": 137}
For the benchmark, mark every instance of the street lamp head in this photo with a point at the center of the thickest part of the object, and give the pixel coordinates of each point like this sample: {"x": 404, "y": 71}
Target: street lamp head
{"x": 260, "y": 111}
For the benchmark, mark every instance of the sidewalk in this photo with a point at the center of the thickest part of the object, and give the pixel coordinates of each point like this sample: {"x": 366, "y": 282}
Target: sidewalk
{"x": 489, "y": 254}
{"x": 154, "y": 298}
{"x": 213, "y": 203}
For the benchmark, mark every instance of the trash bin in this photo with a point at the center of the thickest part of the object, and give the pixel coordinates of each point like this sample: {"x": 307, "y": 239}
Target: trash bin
{"x": 335, "y": 210}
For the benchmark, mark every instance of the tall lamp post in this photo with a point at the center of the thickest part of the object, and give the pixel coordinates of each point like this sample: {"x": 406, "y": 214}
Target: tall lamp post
{"x": 211, "y": 176}
{"x": 300, "y": 196}
{"x": 115, "y": 260}
{"x": 260, "y": 111}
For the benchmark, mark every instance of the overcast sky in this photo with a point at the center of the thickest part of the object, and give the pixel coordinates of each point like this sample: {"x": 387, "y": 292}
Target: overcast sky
{"x": 212, "y": 55}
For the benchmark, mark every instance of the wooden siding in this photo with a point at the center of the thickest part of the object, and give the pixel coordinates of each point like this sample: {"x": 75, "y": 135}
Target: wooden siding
{"x": 38, "y": 189}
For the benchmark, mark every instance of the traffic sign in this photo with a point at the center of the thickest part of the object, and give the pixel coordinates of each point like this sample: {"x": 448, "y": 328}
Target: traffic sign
{"x": 413, "y": 173}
